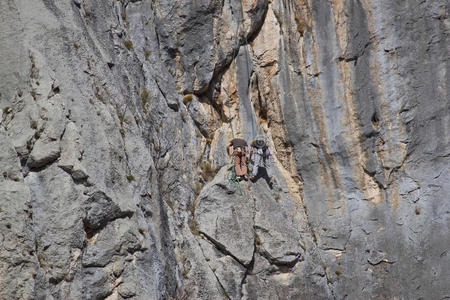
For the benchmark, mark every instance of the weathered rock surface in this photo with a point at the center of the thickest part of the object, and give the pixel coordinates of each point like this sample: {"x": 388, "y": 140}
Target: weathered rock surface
{"x": 114, "y": 121}
{"x": 225, "y": 216}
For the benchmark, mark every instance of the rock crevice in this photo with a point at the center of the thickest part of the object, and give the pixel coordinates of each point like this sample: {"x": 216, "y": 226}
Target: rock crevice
{"x": 114, "y": 173}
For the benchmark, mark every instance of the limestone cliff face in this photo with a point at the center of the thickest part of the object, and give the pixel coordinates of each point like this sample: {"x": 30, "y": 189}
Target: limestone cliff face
{"x": 114, "y": 175}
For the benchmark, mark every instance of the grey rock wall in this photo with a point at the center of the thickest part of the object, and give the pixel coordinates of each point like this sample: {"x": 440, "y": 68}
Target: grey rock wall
{"x": 114, "y": 177}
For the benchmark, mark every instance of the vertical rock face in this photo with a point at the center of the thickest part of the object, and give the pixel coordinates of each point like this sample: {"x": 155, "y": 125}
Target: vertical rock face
{"x": 114, "y": 176}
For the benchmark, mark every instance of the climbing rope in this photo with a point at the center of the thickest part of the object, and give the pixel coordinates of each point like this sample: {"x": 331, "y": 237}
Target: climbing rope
{"x": 231, "y": 119}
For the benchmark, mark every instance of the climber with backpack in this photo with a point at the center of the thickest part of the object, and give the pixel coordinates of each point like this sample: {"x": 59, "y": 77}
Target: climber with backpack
{"x": 240, "y": 150}
{"x": 260, "y": 157}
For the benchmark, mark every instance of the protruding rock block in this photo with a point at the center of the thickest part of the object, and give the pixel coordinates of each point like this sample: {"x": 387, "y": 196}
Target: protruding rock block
{"x": 224, "y": 214}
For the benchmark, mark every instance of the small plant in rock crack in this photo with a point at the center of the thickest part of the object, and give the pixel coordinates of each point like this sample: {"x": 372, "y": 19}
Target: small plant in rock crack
{"x": 170, "y": 204}
{"x": 185, "y": 273}
{"x": 33, "y": 124}
{"x": 192, "y": 206}
{"x": 144, "y": 99}
{"x": 121, "y": 118}
{"x": 40, "y": 258}
{"x": 207, "y": 171}
{"x": 130, "y": 177}
{"x": 29, "y": 144}
{"x": 128, "y": 44}
{"x": 187, "y": 98}
{"x": 183, "y": 115}
{"x": 197, "y": 188}
{"x": 193, "y": 227}
{"x": 146, "y": 53}
{"x": 277, "y": 197}
{"x": 34, "y": 94}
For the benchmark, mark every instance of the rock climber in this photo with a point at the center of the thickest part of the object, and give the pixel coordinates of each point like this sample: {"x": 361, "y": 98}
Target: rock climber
{"x": 260, "y": 157}
{"x": 240, "y": 151}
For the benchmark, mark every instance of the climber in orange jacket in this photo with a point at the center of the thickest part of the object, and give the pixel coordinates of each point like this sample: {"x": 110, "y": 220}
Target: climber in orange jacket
{"x": 240, "y": 150}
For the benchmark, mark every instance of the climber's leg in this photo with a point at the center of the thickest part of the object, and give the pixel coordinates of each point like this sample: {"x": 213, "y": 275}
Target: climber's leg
{"x": 256, "y": 162}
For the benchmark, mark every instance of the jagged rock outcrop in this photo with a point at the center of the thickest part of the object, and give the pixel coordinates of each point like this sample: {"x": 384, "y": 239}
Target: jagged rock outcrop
{"x": 114, "y": 121}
